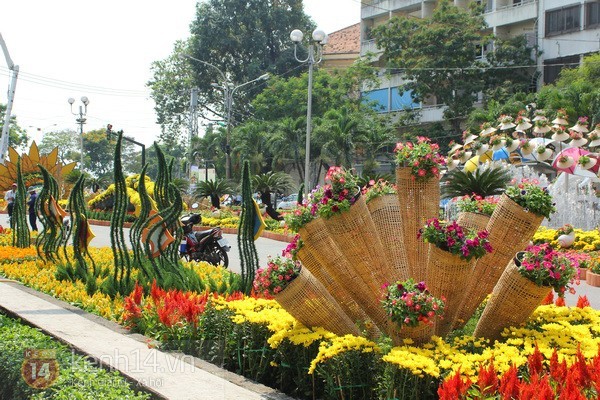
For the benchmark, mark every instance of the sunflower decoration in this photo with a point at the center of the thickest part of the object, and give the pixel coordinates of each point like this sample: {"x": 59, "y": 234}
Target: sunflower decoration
{"x": 29, "y": 167}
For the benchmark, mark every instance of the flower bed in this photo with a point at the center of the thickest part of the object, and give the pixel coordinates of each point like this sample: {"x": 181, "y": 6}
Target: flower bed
{"x": 77, "y": 377}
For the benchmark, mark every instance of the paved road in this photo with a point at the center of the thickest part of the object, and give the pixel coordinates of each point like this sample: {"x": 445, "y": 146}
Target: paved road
{"x": 268, "y": 247}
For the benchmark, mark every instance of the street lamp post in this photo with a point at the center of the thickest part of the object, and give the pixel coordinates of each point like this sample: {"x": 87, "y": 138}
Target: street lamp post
{"x": 315, "y": 55}
{"x": 81, "y": 120}
{"x": 229, "y": 90}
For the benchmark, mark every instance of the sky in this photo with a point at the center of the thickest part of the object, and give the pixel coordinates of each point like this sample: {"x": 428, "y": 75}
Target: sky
{"x": 103, "y": 50}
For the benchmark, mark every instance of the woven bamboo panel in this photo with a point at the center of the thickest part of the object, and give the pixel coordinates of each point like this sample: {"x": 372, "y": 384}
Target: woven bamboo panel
{"x": 513, "y": 300}
{"x": 511, "y": 228}
{"x": 447, "y": 276}
{"x": 474, "y": 221}
{"x": 353, "y": 231}
{"x": 317, "y": 238}
{"x": 340, "y": 294}
{"x": 307, "y": 300}
{"x": 420, "y": 334}
{"x": 385, "y": 213}
{"x": 419, "y": 201}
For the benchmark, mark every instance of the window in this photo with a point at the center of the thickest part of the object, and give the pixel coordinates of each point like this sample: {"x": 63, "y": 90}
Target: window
{"x": 566, "y": 19}
{"x": 380, "y": 100}
{"x": 592, "y": 15}
{"x": 553, "y": 67}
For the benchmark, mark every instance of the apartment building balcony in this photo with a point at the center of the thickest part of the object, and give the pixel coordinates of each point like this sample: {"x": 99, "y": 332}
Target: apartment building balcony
{"x": 512, "y": 13}
{"x": 369, "y": 46}
{"x": 375, "y": 8}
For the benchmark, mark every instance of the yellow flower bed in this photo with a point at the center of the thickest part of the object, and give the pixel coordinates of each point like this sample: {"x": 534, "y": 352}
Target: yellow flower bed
{"x": 584, "y": 240}
{"x": 551, "y": 327}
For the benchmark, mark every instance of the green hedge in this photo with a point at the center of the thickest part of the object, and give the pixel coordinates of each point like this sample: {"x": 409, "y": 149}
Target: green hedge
{"x": 78, "y": 378}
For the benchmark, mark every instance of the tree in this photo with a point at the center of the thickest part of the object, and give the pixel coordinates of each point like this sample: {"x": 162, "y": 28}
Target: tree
{"x": 99, "y": 156}
{"x": 336, "y": 136}
{"x": 68, "y": 147}
{"x": 577, "y": 90}
{"x": 286, "y": 143}
{"x": 483, "y": 182}
{"x": 438, "y": 57}
{"x": 170, "y": 87}
{"x": 213, "y": 190}
{"x": 17, "y": 136}
{"x": 269, "y": 183}
{"x": 244, "y": 39}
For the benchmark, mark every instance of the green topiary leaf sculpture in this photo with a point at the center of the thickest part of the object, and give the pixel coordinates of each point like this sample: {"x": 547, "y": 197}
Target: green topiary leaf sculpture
{"x": 248, "y": 254}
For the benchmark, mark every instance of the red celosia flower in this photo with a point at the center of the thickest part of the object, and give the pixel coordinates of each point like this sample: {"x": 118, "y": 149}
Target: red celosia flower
{"x": 558, "y": 370}
{"x": 549, "y": 299}
{"x": 509, "y": 384}
{"x": 487, "y": 379}
{"x": 156, "y": 292}
{"x": 535, "y": 361}
{"x": 571, "y": 390}
{"x": 583, "y": 302}
{"x": 453, "y": 388}
{"x": 137, "y": 294}
{"x": 560, "y": 302}
{"x": 537, "y": 389}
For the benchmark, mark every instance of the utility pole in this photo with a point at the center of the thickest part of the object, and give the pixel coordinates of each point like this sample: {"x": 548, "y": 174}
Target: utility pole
{"x": 193, "y": 126}
{"x": 11, "y": 97}
{"x": 81, "y": 120}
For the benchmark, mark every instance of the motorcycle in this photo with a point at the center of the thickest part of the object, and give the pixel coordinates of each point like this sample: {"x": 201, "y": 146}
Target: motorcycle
{"x": 209, "y": 246}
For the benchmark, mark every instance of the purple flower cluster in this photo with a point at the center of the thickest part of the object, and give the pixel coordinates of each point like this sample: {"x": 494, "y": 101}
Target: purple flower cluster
{"x": 455, "y": 239}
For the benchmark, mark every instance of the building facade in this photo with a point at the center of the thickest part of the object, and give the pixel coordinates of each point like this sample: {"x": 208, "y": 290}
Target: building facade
{"x": 564, "y": 31}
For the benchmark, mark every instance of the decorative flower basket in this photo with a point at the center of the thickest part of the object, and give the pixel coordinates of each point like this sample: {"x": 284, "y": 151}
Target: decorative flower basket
{"x": 542, "y": 153}
{"x": 451, "y": 256}
{"x": 581, "y": 126}
{"x": 513, "y": 300}
{"x": 511, "y": 145}
{"x": 449, "y": 276}
{"x": 412, "y": 310}
{"x": 482, "y": 150}
{"x": 560, "y": 136}
{"x": 473, "y": 220}
{"x": 522, "y": 287}
{"x": 511, "y": 227}
{"x": 307, "y": 256}
{"x": 526, "y": 148}
{"x": 565, "y": 162}
{"x": 318, "y": 241}
{"x": 385, "y": 213}
{"x": 587, "y": 162}
{"x": 307, "y": 300}
{"x": 419, "y": 201}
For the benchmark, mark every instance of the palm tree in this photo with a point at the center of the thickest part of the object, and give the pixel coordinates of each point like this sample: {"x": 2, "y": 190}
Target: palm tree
{"x": 213, "y": 190}
{"x": 272, "y": 182}
{"x": 337, "y": 134}
{"x": 487, "y": 181}
{"x": 287, "y": 143}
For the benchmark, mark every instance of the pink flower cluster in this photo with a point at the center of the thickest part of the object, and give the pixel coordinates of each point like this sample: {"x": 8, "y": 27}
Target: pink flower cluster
{"x": 423, "y": 158}
{"x": 454, "y": 239}
{"x": 546, "y": 267}
{"x": 410, "y": 304}
{"x": 278, "y": 274}
{"x": 337, "y": 195}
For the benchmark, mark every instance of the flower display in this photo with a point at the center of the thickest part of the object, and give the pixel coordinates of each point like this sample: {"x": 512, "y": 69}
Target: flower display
{"x": 377, "y": 189}
{"x": 505, "y": 119}
{"x": 532, "y": 198}
{"x": 423, "y": 158}
{"x": 477, "y": 204}
{"x": 409, "y": 303}
{"x": 495, "y": 140}
{"x": 565, "y": 229}
{"x": 453, "y": 238}
{"x": 544, "y": 266}
{"x": 337, "y": 195}
{"x": 300, "y": 216}
{"x": 278, "y": 274}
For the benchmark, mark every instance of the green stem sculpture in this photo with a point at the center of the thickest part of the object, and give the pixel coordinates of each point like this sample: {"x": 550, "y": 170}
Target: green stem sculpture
{"x": 18, "y": 222}
{"x": 122, "y": 274}
{"x": 80, "y": 229}
{"x": 135, "y": 233}
{"x": 48, "y": 240}
{"x": 248, "y": 254}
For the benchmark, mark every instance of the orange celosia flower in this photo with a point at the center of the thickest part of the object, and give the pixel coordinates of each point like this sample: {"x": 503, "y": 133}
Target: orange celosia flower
{"x": 453, "y": 388}
{"x": 549, "y": 299}
{"x": 583, "y": 302}
{"x": 509, "y": 384}
{"x": 487, "y": 379}
{"x": 534, "y": 361}
{"x": 560, "y": 302}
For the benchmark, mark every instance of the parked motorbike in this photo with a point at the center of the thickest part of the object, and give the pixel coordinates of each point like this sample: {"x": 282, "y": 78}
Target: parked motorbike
{"x": 209, "y": 246}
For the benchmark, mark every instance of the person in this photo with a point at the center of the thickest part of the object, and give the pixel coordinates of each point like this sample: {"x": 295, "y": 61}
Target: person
{"x": 9, "y": 196}
{"x": 31, "y": 204}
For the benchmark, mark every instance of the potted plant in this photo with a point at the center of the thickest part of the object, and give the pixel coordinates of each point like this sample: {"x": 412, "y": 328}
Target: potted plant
{"x": 581, "y": 261}
{"x": 486, "y": 129}
{"x": 581, "y": 126}
{"x": 594, "y": 137}
{"x": 526, "y": 147}
{"x": 511, "y": 145}
{"x": 577, "y": 139}
{"x": 531, "y": 198}
{"x": 560, "y": 133}
{"x": 593, "y": 274}
{"x": 468, "y": 137}
{"x": 523, "y": 123}
{"x": 587, "y": 162}
{"x": 453, "y": 251}
{"x": 339, "y": 193}
{"x": 561, "y": 117}
{"x": 302, "y": 295}
{"x": 423, "y": 158}
{"x": 566, "y": 235}
{"x": 541, "y": 127}
{"x": 542, "y": 153}
{"x": 496, "y": 142}
{"x": 564, "y": 161}
{"x": 300, "y": 216}
{"x": 524, "y": 284}
{"x": 412, "y": 310}
{"x": 539, "y": 115}
{"x": 475, "y": 211}
{"x": 506, "y": 122}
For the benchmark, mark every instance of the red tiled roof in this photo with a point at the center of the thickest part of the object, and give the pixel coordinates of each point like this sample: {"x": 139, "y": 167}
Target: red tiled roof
{"x": 344, "y": 41}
